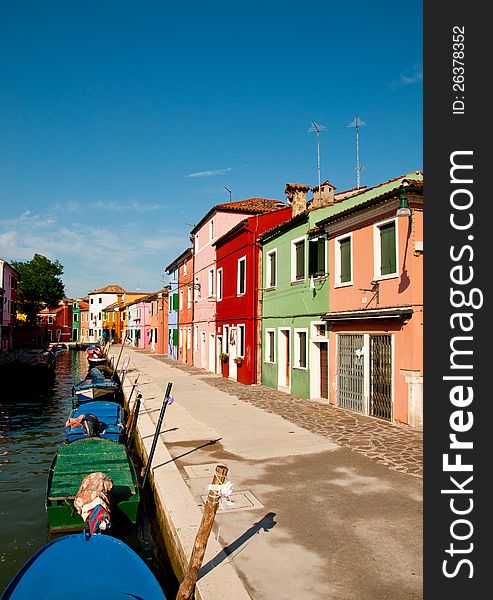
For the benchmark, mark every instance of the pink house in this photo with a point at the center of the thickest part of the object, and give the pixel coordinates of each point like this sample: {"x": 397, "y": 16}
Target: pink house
{"x": 375, "y": 313}
{"x": 139, "y": 322}
{"x": 218, "y": 221}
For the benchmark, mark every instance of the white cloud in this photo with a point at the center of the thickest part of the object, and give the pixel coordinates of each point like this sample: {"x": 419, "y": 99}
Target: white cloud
{"x": 210, "y": 173}
{"x": 409, "y": 77}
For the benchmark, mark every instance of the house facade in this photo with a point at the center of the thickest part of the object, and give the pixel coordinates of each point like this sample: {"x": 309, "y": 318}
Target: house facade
{"x": 84, "y": 319}
{"x": 75, "y": 321}
{"x": 218, "y": 221}
{"x": 9, "y": 278}
{"x": 139, "y": 322}
{"x": 375, "y": 313}
{"x": 58, "y": 321}
{"x": 295, "y": 297}
{"x": 98, "y": 300}
{"x": 172, "y": 271}
{"x": 185, "y": 306}
{"x": 238, "y": 324}
{"x": 158, "y": 321}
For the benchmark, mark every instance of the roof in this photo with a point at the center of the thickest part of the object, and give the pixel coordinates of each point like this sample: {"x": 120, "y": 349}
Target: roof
{"x": 285, "y": 225}
{"x": 178, "y": 259}
{"x": 83, "y": 305}
{"x": 109, "y": 289}
{"x": 415, "y": 178}
{"x": 249, "y": 206}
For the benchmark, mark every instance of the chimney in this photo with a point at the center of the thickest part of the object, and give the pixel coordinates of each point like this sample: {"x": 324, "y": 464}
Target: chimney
{"x": 323, "y": 198}
{"x": 296, "y": 197}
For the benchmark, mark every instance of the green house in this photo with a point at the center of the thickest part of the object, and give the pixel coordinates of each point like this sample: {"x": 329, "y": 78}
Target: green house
{"x": 75, "y": 337}
{"x": 295, "y": 298}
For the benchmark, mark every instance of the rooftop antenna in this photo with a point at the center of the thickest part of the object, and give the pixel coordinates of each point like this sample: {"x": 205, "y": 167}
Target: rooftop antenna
{"x": 317, "y": 128}
{"x": 228, "y": 190}
{"x": 357, "y": 123}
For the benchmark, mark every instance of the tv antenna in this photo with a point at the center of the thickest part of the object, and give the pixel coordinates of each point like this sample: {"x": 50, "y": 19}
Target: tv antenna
{"x": 229, "y": 191}
{"x": 317, "y": 128}
{"x": 357, "y": 123}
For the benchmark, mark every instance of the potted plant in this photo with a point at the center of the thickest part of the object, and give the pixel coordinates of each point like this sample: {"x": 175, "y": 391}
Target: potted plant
{"x": 238, "y": 360}
{"x": 224, "y": 357}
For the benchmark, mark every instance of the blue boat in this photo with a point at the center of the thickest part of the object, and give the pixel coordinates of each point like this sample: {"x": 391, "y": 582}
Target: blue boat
{"x": 81, "y": 565}
{"x": 109, "y": 421}
{"x": 96, "y": 385}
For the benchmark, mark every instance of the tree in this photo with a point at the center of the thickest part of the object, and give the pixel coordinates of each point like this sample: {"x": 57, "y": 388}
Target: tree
{"x": 39, "y": 285}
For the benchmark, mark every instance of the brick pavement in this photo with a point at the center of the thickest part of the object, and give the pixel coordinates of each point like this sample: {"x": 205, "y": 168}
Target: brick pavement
{"x": 397, "y": 446}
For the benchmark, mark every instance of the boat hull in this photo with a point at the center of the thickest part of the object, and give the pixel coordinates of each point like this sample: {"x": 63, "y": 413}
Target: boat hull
{"x": 75, "y": 461}
{"x": 110, "y": 415}
{"x": 123, "y": 574}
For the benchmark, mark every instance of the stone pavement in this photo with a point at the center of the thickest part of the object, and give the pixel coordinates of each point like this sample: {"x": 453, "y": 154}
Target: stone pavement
{"x": 397, "y": 446}
{"x": 317, "y": 514}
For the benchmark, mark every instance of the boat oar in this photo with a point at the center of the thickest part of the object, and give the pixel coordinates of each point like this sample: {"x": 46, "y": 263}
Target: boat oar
{"x": 167, "y": 400}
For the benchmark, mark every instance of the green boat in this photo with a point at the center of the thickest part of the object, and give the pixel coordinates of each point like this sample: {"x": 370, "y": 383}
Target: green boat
{"x": 72, "y": 463}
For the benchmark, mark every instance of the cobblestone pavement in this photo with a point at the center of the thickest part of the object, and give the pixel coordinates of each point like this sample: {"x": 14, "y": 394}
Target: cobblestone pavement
{"x": 397, "y": 446}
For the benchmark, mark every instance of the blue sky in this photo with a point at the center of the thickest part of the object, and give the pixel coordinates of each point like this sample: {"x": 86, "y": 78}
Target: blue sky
{"x": 121, "y": 123}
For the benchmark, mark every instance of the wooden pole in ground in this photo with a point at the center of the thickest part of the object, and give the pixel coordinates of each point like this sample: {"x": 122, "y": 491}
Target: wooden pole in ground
{"x": 187, "y": 586}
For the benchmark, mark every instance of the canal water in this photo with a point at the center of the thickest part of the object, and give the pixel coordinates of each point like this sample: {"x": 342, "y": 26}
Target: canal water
{"x": 32, "y": 420}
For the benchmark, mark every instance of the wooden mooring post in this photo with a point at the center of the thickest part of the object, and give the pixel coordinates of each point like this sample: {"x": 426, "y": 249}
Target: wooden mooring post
{"x": 187, "y": 586}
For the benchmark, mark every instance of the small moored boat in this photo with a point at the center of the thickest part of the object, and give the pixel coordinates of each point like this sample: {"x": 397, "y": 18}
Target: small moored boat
{"x": 75, "y": 461}
{"x": 96, "y": 418}
{"x": 84, "y": 566}
{"x": 96, "y": 385}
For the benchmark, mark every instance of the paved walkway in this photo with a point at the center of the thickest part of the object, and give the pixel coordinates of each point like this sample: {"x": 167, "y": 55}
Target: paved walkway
{"x": 398, "y": 447}
{"x": 327, "y": 503}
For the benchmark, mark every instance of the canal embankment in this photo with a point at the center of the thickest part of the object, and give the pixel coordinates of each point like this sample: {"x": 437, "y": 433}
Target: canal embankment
{"x": 311, "y": 518}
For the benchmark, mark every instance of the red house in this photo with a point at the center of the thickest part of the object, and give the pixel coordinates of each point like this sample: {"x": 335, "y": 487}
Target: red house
{"x": 58, "y": 321}
{"x": 238, "y": 316}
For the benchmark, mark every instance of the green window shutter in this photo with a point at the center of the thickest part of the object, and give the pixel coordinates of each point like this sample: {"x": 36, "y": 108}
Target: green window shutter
{"x": 387, "y": 249}
{"x": 312, "y": 257}
{"x": 272, "y": 259}
{"x": 345, "y": 249}
{"x": 300, "y": 260}
{"x": 175, "y": 302}
{"x": 321, "y": 256}
{"x": 175, "y": 337}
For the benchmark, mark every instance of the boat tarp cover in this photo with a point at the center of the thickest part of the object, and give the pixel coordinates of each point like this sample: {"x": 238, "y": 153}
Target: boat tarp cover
{"x": 82, "y": 457}
{"x": 70, "y": 566}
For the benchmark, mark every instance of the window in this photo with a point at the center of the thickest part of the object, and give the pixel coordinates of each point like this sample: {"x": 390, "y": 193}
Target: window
{"x": 298, "y": 259}
{"x": 271, "y": 270}
{"x": 100, "y": 300}
{"x": 50, "y": 320}
{"x": 185, "y": 267}
{"x": 241, "y": 281}
{"x": 211, "y": 283}
{"x": 300, "y": 348}
{"x": 180, "y": 339}
{"x": 220, "y": 284}
{"x": 196, "y": 289}
{"x": 92, "y": 300}
{"x": 181, "y": 299}
{"x": 196, "y": 338}
{"x": 189, "y": 337}
{"x": 385, "y": 249}
{"x": 76, "y": 317}
{"x": 241, "y": 340}
{"x": 189, "y": 297}
{"x": 211, "y": 230}
{"x": 343, "y": 260}
{"x": 316, "y": 257}
{"x": 270, "y": 339}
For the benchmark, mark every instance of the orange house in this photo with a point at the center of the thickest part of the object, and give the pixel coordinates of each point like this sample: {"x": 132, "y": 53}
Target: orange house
{"x": 111, "y": 322}
{"x": 159, "y": 321}
{"x": 376, "y": 301}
